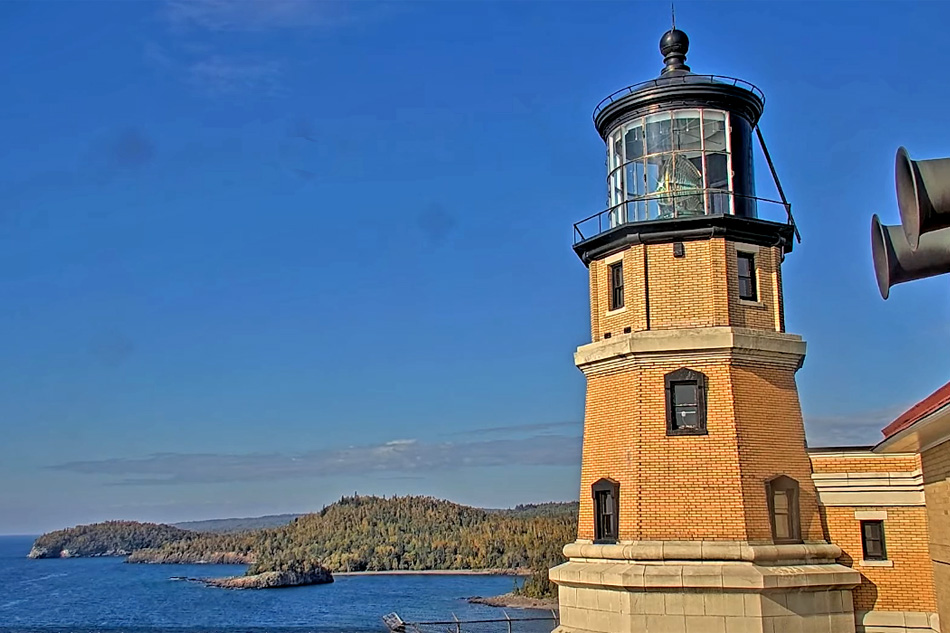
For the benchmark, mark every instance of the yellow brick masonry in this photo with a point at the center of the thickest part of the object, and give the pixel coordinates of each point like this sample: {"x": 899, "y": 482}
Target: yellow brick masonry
{"x": 700, "y": 289}
{"x": 708, "y": 487}
{"x": 906, "y": 586}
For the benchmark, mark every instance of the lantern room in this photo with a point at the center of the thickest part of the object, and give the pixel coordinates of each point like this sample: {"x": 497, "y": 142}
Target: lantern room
{"x": 679, "y": 152}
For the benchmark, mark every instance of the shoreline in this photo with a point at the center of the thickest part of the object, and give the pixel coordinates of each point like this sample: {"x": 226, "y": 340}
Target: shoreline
{"x": 437, "y": 572}
{"x": 511, "y": 601}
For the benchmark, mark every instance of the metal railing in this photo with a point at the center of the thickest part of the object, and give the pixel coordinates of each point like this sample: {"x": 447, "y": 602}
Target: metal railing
{"x": 508, "y": 624}
{"x": 679, "y": 79}
{"x": 671, "y": 205}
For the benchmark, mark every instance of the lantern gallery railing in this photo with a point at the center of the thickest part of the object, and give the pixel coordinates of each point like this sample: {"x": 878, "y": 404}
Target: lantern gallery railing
{"x": 684, "y": 79}
{"x": 682, "y": 204}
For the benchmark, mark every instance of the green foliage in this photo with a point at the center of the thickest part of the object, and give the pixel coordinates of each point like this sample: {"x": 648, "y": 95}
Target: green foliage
{"x": 538, "y": 585}
{"x": 399, "y": 533}
{"x": 112, "y": 538}
{"x": 365, "y": 534}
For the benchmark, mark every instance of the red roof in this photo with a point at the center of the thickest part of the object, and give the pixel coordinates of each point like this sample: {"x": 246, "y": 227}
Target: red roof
{"x": 928, "y": 405}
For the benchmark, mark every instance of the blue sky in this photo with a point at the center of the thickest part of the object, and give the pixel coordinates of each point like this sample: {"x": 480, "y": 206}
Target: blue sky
{"x": 254, "y": 256}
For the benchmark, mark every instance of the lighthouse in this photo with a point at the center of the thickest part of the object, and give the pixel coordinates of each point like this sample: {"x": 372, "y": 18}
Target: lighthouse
{"x": 698, "y": 511}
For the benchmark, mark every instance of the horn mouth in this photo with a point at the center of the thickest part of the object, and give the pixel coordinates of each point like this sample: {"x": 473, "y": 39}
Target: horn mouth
{"x": 881, "y": 254}
{"x": 908, "y": 200}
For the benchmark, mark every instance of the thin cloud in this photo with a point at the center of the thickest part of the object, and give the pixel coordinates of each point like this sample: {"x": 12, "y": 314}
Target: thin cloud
{"x": 855, "y": 429}
{"x": 521, "y": 428}
{"x": 223, "y": 75}
{"x": 397, "y": 457}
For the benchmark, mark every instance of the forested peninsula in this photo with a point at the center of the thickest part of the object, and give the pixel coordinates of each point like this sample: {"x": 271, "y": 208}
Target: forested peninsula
{"x": 355, "y": 534}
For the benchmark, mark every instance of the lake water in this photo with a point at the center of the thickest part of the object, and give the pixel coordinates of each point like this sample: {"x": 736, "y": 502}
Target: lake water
{"x": 86, "y": 595}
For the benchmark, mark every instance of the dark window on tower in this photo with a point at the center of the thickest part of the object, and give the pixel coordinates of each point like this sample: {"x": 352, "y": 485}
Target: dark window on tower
{"x": 606, "y": 494}
{"x": 616, "y": 286}
{"x": 746, "y": 264}
{"x": 782, "y": 494}
{"x": 872, "y": 540}
{"x": 685, "y": 402}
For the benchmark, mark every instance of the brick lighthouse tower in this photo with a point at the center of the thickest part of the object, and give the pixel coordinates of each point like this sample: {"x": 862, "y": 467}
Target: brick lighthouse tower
{"x": 697, "y": 507}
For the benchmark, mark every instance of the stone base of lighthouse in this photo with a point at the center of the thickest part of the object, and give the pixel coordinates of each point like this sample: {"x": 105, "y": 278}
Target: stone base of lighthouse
{"x": 704, "y": 587}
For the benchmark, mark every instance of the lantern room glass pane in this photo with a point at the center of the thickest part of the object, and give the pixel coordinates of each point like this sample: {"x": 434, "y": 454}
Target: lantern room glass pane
{"x": 687, "y": 130}
{"x": 714, "y": 130}
{"x": 636, "y": 180}
{"x": 633, "y": 141}
{"x": 659, "y": 137}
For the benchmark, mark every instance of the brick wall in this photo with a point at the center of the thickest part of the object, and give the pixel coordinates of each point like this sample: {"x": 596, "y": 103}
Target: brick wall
{"x": 863, "y": 462}
{"x": 772, "y": 437}
{"x": 698, "y": 290}
{"x": 907, "y": 586}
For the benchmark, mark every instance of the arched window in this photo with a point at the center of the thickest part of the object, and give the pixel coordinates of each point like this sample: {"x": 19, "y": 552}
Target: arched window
{"x": 685, "y": 402}
{"x": 606, "y": 493}
{"x": 782, "y": 493}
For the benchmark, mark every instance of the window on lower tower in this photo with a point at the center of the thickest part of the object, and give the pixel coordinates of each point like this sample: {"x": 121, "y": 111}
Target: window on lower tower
{"x": 782, "y": 495}
{"x": 616, "y": 285}
{"x": 606, "y": 493}
{"x": 685, "y": 402}
{"x": 872, "y": 540}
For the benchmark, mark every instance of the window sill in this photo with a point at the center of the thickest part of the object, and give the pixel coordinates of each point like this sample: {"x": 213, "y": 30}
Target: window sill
{"x": 617, "y": 311}
{"x": 675, "y": 433}
{"x": 876, "y": 563}
{"x": 751, "y": 304}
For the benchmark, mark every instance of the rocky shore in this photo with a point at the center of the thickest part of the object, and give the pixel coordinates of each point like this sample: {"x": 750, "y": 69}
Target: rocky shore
{"x": 55, "y": 552}
{"x": 512, "y": 601}
{"x": 268, "y": 580}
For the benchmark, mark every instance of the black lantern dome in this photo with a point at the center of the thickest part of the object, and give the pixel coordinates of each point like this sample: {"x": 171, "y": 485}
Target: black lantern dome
{"x": 679, "y": 157}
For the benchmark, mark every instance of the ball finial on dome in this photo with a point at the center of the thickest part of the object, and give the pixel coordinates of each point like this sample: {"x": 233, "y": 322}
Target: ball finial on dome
{"x": 673, "y": 45}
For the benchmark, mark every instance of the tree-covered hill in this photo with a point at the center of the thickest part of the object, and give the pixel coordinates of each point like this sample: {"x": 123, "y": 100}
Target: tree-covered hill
{"x": 354, "y": 534}
{"x": 113, "y": 538}
{"x": 399, "y": 533}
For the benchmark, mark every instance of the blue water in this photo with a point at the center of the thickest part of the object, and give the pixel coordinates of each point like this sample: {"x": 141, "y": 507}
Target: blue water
{"x": 105, "y": 594}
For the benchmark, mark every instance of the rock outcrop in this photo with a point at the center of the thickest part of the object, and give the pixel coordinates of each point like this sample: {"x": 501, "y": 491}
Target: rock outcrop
{"x": 272, "y": 580}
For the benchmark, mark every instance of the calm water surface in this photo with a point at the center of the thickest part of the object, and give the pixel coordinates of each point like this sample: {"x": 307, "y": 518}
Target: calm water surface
{"x": 108, "y": 595}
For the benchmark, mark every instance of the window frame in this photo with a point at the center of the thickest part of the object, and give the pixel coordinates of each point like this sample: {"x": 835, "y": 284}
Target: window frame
{"x": 864, "y": 540}
{"x": 612, "y": 269}
{"x": 679, "y": 377}
{"x": 606, "y": 486}
{"x": 790, "y": 488}
{"x": 753, "y": 278}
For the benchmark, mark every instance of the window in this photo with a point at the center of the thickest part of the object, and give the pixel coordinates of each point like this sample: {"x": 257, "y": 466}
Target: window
{"x": 606, "y": 494}
{"x": 782, "y": 494}
{"x": 746, "y": 265}
{"x": 685, "y": 402}
{"x": 872, "y": 540}
{"x": 616, "y": 285}
{"x": 670, "y": 165}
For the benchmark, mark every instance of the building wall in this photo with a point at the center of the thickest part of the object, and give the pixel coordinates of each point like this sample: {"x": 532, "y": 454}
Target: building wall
{"x": 904, "y": 587}
{"x": 698, "y": 290}
{"x": 935, "y": 463}
{"x": 855, "y": 485}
